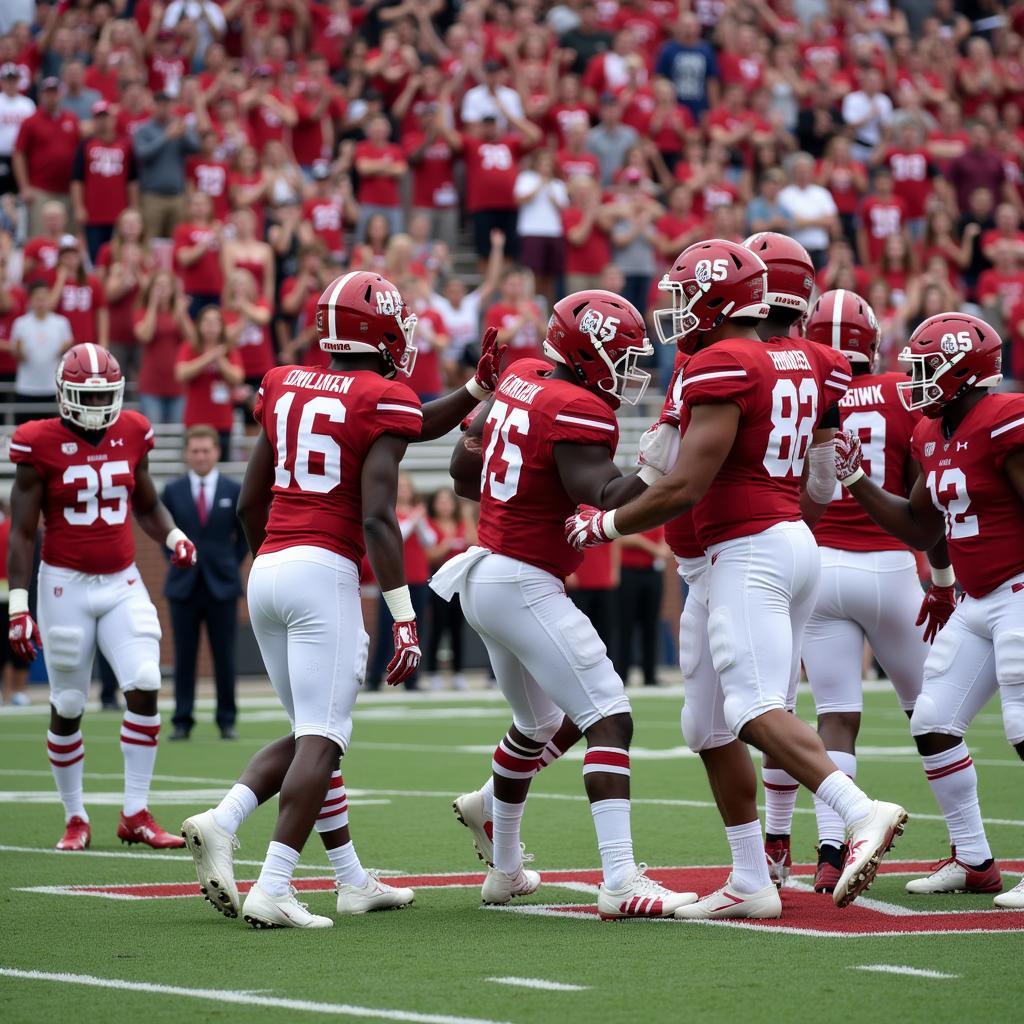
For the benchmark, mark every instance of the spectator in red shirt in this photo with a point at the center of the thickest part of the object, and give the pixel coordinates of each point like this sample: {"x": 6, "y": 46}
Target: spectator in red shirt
{"x": 574, "y": 159}
{"x": 380, "y": 164}
{"x": 1001, "y": 288}
{"x": 882, "y": 214}
{"x": 242, "y": 250}
{"x": 44, "y": 154}
{"x": 103, "y": 180}
{"x": 319, "y": 108}
{"x": 915, "y": 177}
{"x": 13, "y": 303}
{"x": 588, "y": 223}
{"x": 517, "y": 317}
{"x": 296, "y": 321}
{"x": 1007, "y": 230}
{"x": 197, "y": 248}
{"x": 371, "y": 252}
{"x": 78, "y": 296}
{"x": 847, "y": 180}
{"x": 210, "y": 369}
{"x": 248, "y": 186}
{"x": 431, "y": 149}
{"x": 271, "y": 116}
{"x": 678, "y": 227}
{"x": 979, "y": 166}
{"x": 206, "y": 172}
{"x": 161, "y": 325}
{"x": 247, "y": 323}
{"x": 40, "y": 254}
{"x": 431, "y": 339}
{"x": 327, "y": 211}
{"x": 668, "y": 124}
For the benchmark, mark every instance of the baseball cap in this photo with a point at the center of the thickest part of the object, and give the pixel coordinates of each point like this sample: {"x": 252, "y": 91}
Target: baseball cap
{"x": 9, "y": 70}
{"x": 50, "y": 83}
{"x": 100, "y": 107}
{"x": 68, "y": 242}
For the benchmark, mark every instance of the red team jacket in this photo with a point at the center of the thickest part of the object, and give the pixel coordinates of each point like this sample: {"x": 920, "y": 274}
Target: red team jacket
{"x": 321, "y": 424}
{"x": 872, "y": 410}
{"x": 965, "y": 478}
{"x": 88, "y": 489}
{"x": 523, "y": 505}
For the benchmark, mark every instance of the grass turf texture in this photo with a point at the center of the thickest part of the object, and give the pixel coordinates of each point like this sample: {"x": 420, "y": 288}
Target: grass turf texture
{"x": 435, "y": 958}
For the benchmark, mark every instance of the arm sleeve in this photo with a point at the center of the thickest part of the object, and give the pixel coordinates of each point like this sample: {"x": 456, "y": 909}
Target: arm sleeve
{"x": 397, "y": 412}
{"x": 585, "y": 421}
{"x": 721, "y": 377}
{"x": 1007, "y": 434}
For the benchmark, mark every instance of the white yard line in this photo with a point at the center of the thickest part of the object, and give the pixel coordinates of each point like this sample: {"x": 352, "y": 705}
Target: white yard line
{"x": 547, "y": 986}
{"x": 241, "y": 998}
{"x": 913, "y": 972}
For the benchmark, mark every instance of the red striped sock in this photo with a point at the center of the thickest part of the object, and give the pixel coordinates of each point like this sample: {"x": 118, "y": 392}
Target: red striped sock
{"x": 606, "y": 759}
{"x": 334, "y": 812}
{"x": 67, "y": 762}
{"x": 954, "y": 781}
{"x": 516, "y": 758}
{"x": 780, "y": 790}
{"x": 139, "y": 735}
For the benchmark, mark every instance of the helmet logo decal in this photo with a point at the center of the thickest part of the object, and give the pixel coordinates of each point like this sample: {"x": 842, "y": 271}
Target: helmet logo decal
{"x": 953, "y": 343}
{"x": 707, "y": 271}
{"x": 600, "y": 328}
{"x": 389, "y": 303}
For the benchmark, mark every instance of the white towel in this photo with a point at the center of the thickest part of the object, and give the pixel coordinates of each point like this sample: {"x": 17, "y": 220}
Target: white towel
{"x": 451, "y": 577}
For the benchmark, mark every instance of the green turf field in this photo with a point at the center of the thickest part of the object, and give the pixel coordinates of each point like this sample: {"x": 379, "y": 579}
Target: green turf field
{"x": 437, "y": 961}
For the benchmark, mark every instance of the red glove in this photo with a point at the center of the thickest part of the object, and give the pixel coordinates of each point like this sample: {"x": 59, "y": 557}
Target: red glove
{"x": 184, "y": 556}
{"x": 407, "y": 653}
{"x": 848, "y": 456}
{"x": 23, "y": 635}
{"x": 589, "y": 526}
{"x": 485, "y": 380}
{"x": 938, "y": 604}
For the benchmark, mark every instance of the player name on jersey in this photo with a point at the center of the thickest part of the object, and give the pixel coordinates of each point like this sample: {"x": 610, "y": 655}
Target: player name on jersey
{"x": 521, "y": 390}
{"x": 313, "y": 380}
{"x": 858, "y": 397}
{"x": 789, "y": 362}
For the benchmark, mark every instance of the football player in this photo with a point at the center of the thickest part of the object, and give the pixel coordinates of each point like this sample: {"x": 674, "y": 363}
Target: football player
{"x": 754, "y": 407}
{"x": 83, "y": 471}
{"x": 548, "y": 438}
{"x": 322, "y": 478}
{"x": 970, "y": 447}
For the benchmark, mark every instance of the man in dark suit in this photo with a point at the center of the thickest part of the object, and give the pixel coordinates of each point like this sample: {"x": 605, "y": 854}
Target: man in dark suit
{"x": 204, "y": 503}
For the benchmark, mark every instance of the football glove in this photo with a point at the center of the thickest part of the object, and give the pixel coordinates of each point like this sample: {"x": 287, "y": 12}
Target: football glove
{"x": 589, "y": 526}
{"x": 848, "y": 457}
{"x": 488, "y": 368}
{"x": 938, "y": 605}
{"x": 22, "y": 631}
{"x": 407, "y": 653}
{"x": 658, "y": 450}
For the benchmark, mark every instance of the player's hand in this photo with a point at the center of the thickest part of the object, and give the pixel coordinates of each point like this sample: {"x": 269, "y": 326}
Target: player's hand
{"x": 848, "y": 456}
{"x": 938, "y": 604}
{"x": 489, "y": 366}
{"x": 407, "y": 653}
{"x": 23, "y": 634}
{"x": 588, "y": 527}
{"x": 184, "y": 554}
{"x": 658, "y": 450}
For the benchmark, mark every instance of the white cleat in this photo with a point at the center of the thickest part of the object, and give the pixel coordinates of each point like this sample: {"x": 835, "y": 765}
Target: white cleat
{"x": 499, "y": 886}
{"x": 869, "y": 841}
{"x": 262, "y": 910}
{"x": 641, "y": 897}
{"x": 1013, "y": 899}
{"x": 469, "y": 809}
{"x": 952, "y": 875}
{"x": 373, "y": 895}
{"x": 213, "y": 852}
{"x": 727, "y": 904}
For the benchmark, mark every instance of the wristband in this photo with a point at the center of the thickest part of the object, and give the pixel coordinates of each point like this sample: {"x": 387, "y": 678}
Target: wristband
{"x": 649, "y": 474}
{"x": 174, "y": 537}
{"x": 850, "y": 480}
{"x": 944, "y": 577}
{"x": 608, "y": 526}
{"x": 474, "y": 388}
{"x": 17, "y": 601}
{"x": 399, "y": 603}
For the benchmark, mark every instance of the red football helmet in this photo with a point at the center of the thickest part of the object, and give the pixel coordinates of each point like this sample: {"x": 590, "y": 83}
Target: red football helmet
{"x": 790, "y": 270}
{"x": 600, "y": 336}
{"x": 949, "y": 354}
{"x": 90, "y": 387}
{"x": 844, "y": 321}
{"x": 711, "y": 282}
{"x": 364, "y": 312}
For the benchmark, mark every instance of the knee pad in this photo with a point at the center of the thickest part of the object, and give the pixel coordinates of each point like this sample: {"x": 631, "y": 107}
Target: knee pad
{"x": 699, "y": 733}
{"x": 68, "y": 703}
{"x": 690, "y": 644}
{"x": 941, "y": 656}
{"x": 1012, "y": 698}
{"x": 542, "y": 730}
{"x": 64, "y": 648}
{"x": 721, "y": 640}
{"x": 1009, "y": 649}
{"x": 146, "y": 676}
{"x": 739, "y": 710}
{"x": 926, "y": 717}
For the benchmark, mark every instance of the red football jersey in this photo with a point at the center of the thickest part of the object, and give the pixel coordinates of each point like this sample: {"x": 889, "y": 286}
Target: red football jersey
{"x": 680, "y": 533}
{"x": 321, "y": 424}
{"x": 872, "y": 410}
{"x": 523, "y": 505}
{"x": 88, "y": 489}
{"x": 782, "y": 388}
{"x": 964, "y": 474}
{"x": 105, "y": 170}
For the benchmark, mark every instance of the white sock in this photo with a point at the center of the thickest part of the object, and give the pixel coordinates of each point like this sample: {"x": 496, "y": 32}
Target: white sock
{"x": 780, "y": 789}
{"x": 954, "y": 782}
{"x": 334, "y": 810}
{"x": 238, "y": 803}
{"x": 615, "y": 841}
{"x": 67, "y": 762}
{"x": 276, "y": 874}
{"x": 839, "y": 792}
{"x": 138, "y": 745}
{"x": 749, "y": 866}
{"x": 508, "y": 854}
{"x": 488, "y": 791}
{"x": 831, "y": 830}
{"x": 347, "y": 869}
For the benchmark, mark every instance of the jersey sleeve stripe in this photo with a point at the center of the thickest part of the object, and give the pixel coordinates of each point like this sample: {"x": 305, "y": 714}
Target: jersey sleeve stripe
{"x": 149, "y": 434}
{"x": 392, "y": 407}
{"x": 995, "y": 433}
{"x": 564, "y": 418}
{"x": 21, "y": 447}
{"x": 837, "y": 385}
{"x": 841, "y": 376}
{"x": 715, "y": 375}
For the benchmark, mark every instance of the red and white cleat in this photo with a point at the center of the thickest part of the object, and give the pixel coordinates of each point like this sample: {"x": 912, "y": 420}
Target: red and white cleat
{"x": 77, "y": 835}
{"x": 870, "y": 839}
{"x": 830, "y": 867}
{"x": 141, "y": 828}
{"x": 726, "y": 904}
{"x": 641, "y": 897}
{"x": 470, "y": 810}
{"x": 952, "y": 875}
{"x": 780, "y": 860}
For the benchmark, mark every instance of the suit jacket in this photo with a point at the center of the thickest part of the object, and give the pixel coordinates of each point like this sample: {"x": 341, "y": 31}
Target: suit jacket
{"x": 220, "y": 544}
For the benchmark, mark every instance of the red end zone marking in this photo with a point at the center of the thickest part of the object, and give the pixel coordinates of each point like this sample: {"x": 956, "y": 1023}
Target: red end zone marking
{"x": 803, "y": 912}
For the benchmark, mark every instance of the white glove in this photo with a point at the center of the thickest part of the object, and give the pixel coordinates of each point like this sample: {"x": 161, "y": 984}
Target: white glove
{"x": 821, "y": 472}
{"x": 658, "y": 451}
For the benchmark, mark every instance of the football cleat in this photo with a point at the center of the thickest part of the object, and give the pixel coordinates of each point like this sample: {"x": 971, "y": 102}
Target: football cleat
{"x": 640, "y": 897}
{"x": 374, "y": 895}
{"x": 780, "y": 860}
{"x": 870, "y": 839}
{"x": 141, "y": 828}
{"x": 213, "y": 852}
{"x": 77, "y": 835}
{"x": 469, "y": 809}
{"x": 830, "y": 867}
{"x": 1012, "y": 900}
{"x": 262, "y": 910}
{"x": 499, "y": 886}
{"x": 725, "y": 904}
{"x": 952, "y": 875}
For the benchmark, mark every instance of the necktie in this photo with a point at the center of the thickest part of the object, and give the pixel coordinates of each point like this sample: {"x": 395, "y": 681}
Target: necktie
{"x": 201, "y": 504}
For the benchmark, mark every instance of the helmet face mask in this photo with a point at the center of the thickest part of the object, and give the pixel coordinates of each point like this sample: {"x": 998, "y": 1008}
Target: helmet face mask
{"x": 90, "y": 387}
